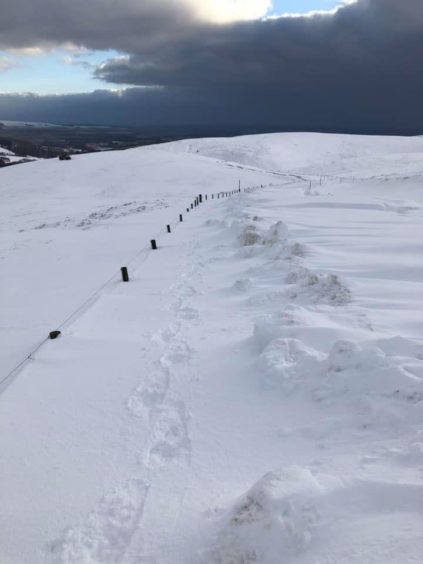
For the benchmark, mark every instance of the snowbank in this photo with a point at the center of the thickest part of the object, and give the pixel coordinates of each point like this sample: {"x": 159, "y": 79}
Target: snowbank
{"x": 272, "y": 522}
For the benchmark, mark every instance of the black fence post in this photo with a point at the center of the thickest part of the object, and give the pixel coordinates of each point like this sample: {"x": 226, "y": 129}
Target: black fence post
{"x": 153, "y": 244}
{"x": 54, "y": 334}
{"x": 124, "y": 271}
{"x": 180, "y": 217}
{"x": 168, "y": 228}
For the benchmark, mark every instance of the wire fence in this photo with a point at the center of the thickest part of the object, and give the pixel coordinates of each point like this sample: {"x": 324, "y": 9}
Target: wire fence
{"x": 146, "y": 249}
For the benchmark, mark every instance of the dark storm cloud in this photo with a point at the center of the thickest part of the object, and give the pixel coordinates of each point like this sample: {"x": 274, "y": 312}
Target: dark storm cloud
{"x": 97, "y": 24}
{"x": 360, "y": 69}
{"x": 368, "y": 39}
{"x": 133, "y": 106}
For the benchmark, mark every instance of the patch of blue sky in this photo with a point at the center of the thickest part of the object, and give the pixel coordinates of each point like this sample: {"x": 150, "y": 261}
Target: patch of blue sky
{"x": 55, "y": 72}
{"x": 302, "y": 6}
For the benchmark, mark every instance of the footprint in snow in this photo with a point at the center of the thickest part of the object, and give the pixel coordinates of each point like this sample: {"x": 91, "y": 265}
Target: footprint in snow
{"x": 178, "y": 351}
{"x": 188, "y": 313}
{"x": 150, "y": 393}
{"x": 107, "y": 531}
{"x": 170, "y": 438}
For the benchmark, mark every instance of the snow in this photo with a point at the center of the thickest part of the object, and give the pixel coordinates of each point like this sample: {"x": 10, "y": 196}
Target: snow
{"x": 254, "y": 393}
{"x": 4, "y": 151}
{"x": 11, "y": 157}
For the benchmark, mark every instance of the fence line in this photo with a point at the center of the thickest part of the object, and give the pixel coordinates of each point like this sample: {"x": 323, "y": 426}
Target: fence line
{"x": 86, "y": 304}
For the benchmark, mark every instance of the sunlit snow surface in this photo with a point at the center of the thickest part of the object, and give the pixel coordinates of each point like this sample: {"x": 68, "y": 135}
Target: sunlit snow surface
{"x": 254, "y": 394}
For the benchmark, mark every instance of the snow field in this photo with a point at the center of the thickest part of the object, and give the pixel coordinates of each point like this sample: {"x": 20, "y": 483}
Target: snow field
{"x": 254, "y": 394}
{"x": 67, "y": 227}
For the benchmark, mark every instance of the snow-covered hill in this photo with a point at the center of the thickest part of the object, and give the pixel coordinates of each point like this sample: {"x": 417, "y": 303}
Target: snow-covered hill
{"x": 9, "y": 157}
{"x": 315, "y": 154}
{"x": 254, "y": 393}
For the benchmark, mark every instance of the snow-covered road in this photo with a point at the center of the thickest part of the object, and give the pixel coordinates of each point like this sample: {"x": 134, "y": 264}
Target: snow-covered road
{"x": 253, "y": 394}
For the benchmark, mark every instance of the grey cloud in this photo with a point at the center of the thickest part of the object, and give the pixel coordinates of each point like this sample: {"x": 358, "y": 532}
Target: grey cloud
{"x": 133, "y": 106}
{"x": 359, "y": 70}
{"x": 97, "y": 24}
{"x": 361, "y": 67}
{"x": 370, "y": 37}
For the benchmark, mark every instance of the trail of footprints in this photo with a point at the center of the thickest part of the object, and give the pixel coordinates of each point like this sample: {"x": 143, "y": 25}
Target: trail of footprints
{"x": 156, "y": 404}
{"x": 107, "y": 533}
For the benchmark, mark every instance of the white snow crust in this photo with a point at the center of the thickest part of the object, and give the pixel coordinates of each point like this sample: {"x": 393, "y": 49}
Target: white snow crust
{"x": 254, "y": 394}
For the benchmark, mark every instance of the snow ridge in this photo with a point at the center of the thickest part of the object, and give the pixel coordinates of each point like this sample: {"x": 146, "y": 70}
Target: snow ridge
{"x": 377, "y": 383}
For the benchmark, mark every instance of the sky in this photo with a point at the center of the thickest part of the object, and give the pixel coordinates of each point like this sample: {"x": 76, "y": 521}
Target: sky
{"x": 305, "y": 64}
{"x": 37, "y": 70}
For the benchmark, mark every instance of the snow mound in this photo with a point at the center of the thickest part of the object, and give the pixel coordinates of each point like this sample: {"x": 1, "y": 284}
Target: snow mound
{"x": 274, "y": 520}
{"x": 287, "y": 363}
{"x": 272, "y": 244}
{"x": 294, "y": 249}
{"x": 317, "y": 288}
{"x": 248, "y": 235}
{"x": 354, "y": 369}
{"x": 270, "y": 327}
{"x": 276, "y": 232}
{"x": 357, "y": 374}
{"x": 401, "y": 347}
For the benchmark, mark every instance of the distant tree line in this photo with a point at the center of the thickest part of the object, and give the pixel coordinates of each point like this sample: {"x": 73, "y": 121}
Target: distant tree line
{"x": 24, "y": 148}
